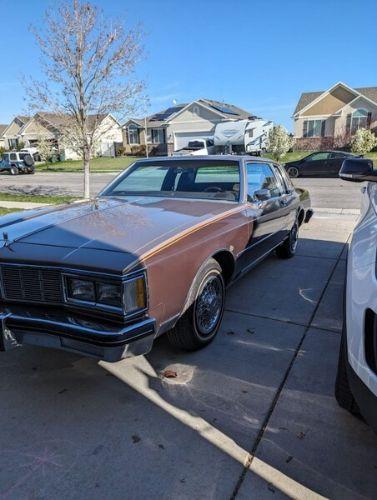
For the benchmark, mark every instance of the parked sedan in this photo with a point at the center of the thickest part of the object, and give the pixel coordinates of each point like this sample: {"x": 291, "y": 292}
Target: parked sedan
{"x": 321, "y": 163}
{"x": 356, "y": 383}
{"x": 152, "y": 254}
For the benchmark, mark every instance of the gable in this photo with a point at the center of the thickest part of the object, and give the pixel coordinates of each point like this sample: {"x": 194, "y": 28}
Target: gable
{"x": 331, "y": 102}
{"x": 12, "y": 130}
{"x": 360, "y": 103}
{"x": 196, "y": 113}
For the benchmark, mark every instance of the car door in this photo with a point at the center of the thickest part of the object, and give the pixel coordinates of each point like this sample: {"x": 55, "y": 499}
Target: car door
{"x": 335, "y": 162}
{"x": 268, "y": 217}
{"x": 316, "y": 164}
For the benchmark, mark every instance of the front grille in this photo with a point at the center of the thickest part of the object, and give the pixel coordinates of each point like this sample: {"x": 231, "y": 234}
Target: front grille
{"x": 31, "y": 284}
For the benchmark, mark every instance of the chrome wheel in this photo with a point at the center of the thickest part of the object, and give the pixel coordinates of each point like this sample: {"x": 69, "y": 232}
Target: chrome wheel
{"x": 293, "y": 172}
{"x": 209, "y": 305}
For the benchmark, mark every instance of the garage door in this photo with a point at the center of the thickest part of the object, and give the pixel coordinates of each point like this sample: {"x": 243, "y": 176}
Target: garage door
{"x": 181, "y": 139}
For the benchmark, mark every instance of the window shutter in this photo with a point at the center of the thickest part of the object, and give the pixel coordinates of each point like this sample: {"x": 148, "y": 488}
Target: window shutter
{"x": 323, "y": 125}
{"x": 348, "y": 123}
{"x": 369, "y": 119}
{"x": 305, "y": 129}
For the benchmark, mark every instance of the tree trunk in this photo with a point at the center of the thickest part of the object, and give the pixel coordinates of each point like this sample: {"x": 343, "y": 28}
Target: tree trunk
{"x": 86, "y": 175}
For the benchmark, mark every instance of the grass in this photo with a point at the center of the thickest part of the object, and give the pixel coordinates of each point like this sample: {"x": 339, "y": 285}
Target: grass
{"x": 36, "y": 198}
{"x": 96, "y": 165}
{"x": 5, "y": 211}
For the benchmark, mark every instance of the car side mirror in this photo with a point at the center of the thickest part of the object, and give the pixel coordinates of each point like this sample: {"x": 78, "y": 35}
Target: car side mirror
{"x": 262, "y": 194}
{"x": 358, "y": 170}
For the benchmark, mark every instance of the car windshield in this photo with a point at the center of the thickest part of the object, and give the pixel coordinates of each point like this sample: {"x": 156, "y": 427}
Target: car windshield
{"x": 5, "y": 157}
{"x": 199, "y": 179}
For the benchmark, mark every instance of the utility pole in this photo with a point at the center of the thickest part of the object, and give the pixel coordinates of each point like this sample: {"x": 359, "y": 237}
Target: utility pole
{"x": 146, "y": 137}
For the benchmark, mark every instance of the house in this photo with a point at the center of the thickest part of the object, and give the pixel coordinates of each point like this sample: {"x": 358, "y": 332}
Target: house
{"x": 11, "y": 134}
{"x": 3, "y": 144}
{"x": 52, "y": 127}
{"x": 174, "y": 127}
{"x": 329, "y": 118}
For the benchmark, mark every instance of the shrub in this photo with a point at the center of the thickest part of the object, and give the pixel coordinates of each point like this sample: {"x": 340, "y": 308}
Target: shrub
{"x": 363, "y": 141}
{"x": 279, "y": 142}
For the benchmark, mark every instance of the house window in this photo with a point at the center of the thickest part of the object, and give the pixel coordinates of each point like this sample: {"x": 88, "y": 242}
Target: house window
{"x": 158, "y": 135}
{"x": 359, "y": 119}
{"x": 314, "y": 128}
{"x": 133, "y": 135}
{"x": 13, "y": 143}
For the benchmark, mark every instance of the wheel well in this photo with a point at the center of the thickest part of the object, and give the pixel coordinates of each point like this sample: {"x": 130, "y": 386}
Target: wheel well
{"x": 227, "y": 264}
{"x": 301, "y": 216}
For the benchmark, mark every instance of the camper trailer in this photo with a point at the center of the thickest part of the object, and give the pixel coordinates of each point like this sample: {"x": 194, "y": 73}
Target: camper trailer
{"x": 242, "y": 136}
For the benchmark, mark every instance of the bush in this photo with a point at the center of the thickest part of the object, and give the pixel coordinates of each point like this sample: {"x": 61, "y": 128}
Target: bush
{"x": 363, "y": 141}
{"x": 279, "y": 142}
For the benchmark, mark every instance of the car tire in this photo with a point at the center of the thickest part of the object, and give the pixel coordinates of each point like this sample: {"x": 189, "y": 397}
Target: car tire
{"x": 343, "y": 392}
{"x": 14, "y": 170}
{"x": 293, "y": 172}
{"x": 288, "y": 248}
{"x": 200, "y": 323}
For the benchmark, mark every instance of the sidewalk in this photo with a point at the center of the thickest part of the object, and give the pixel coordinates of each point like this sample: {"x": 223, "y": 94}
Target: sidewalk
{"x": 24, "y": 205}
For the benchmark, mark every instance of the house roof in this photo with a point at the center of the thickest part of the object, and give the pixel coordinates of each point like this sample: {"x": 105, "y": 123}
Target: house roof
{"x": 59, "y": 121}
{"x": 227, "y": 111}
{"x": 307, "y": 97}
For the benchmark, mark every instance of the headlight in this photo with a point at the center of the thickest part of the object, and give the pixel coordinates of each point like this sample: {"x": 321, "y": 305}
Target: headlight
{"x": 109, "y": 294}
{"x": 128, "y": 296}
{"x": 81, "y": 290}
{"x": 134, "y": 295}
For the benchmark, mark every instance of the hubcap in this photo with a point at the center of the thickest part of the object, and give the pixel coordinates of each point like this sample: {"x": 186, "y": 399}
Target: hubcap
{"x": 209, "y": 306}
{"x": 292, "y": 172}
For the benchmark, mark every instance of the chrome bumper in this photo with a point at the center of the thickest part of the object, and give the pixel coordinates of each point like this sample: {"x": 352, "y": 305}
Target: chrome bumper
{"x": 102, "y": 340}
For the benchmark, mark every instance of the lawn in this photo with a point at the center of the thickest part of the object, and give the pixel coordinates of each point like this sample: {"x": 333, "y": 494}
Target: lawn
{"x": 103, "y": 165}
{"x": 36, "y": 198}
{"x": 5, "y": 211}
{"x": 96, "y": 165}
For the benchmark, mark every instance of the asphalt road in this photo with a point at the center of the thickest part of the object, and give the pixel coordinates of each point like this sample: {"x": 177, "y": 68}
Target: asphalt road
{"x": 325, "y": 193}
{"x": 251, "y": 416}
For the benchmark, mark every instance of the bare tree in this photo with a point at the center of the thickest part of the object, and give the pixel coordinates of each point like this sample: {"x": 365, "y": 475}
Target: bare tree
{"x": 88, "y": 65}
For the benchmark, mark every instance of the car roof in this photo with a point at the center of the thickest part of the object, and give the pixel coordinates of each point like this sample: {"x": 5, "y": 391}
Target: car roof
{"x": 209, "y": 157}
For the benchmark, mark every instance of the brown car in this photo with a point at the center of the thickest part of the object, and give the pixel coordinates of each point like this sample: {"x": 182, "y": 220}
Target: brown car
{"x": 153, "y": 253}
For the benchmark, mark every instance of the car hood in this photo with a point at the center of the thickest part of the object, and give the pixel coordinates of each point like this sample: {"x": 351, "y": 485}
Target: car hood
{"x": 108, "y": 234}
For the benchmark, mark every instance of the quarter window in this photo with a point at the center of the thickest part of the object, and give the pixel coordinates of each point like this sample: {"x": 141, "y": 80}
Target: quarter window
{"x": 261, "y": 176}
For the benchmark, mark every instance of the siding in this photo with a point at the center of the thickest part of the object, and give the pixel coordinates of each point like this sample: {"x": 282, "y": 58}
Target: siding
{"x": 330, "y": 103}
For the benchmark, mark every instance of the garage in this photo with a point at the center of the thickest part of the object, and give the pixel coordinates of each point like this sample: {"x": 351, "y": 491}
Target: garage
{"x": 181, "y": 139}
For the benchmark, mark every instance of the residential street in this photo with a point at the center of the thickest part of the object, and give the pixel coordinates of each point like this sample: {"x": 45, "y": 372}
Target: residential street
{"x": 253, "y": 415}
{"x": 324, "y": 192}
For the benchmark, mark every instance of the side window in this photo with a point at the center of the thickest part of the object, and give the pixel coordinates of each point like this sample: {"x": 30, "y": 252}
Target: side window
{"x": 318, "y": 156}
{"x": 283, "y": 184}
{"x": 334, "y": 156}
{"x": 13, "y": 156}
{"x": 261, "y": 176}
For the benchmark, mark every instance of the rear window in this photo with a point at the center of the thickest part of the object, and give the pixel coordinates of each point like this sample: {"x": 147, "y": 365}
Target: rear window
{"x": 204, "y": 179}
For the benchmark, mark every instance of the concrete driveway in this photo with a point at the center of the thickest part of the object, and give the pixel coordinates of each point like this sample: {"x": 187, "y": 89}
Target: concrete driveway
{"x": 251, "y": 416}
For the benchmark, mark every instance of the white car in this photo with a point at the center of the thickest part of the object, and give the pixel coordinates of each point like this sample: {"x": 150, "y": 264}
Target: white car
{"x": 199, "y": 147}
{"x": 356, "y": 383}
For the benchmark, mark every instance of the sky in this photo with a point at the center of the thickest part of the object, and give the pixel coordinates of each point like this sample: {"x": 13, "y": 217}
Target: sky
{"x": 259, "y": 55}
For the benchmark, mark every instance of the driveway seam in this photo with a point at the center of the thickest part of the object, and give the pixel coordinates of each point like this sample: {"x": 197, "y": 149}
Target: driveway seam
{"x": 266, "y": 420}
{"x": 285, "y": 321}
